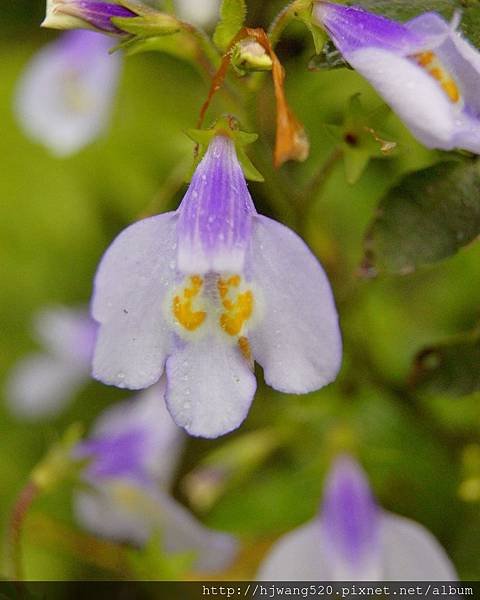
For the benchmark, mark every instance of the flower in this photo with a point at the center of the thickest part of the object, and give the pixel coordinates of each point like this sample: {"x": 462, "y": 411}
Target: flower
{"x": 94, "y": 14}
{"x": 423, "y": 69}
{"x": 353, "y": 539}
{"x": 65, "y": 95}
{"x": 133, "y": 451}
{"x": 203, "y": 291}
{"x": 41, "y": 384}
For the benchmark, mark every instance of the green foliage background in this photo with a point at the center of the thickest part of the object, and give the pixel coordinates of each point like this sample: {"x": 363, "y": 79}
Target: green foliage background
{"x": 419, "y": 445}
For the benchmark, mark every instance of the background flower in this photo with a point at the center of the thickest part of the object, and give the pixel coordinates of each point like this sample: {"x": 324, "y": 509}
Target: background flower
{"x": 354, "y": 540}
{"x": 41, "y": 384}
{"x": 133, "y": 451}
{"x": 65, "y": 96}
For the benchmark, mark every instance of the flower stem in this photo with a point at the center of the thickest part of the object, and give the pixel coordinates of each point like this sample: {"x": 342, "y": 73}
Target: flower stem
{"x": 14, "y": 533}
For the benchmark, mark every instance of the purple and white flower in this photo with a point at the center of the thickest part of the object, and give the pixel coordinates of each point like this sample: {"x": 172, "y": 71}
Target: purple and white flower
{"x": 133, "y": 451}
{"x": 81, "y": 14}
{"x": 353, "y": 539}
{"x": 65, "y": 95}
{"x": 204, "y": 291}
{"x": 41, "y": 384}
{"x": 424, "y": 69}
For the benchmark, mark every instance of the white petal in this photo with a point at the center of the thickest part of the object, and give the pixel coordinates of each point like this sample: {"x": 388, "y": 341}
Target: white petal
{"x": 209, "y": 387}
{"x": 298, "y": 340}
{"x": 127, "y": 513}
{"x": 411, "y": 92}
{"x": 135, "y": 274}
{"x": 41, "y": 386}
{"x": 411, "y": 553}
{"x": 297, "y": 556}
{"x": 64, "y": 108}
{"x": 147, "y": 411}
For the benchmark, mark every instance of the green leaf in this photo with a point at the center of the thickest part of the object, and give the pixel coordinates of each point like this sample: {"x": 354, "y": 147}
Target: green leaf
{"x": 232, "y": 17}
{"x": 427, "y": 217}
{"x": 450, "y": 368}
{"x": 402, "y": 10}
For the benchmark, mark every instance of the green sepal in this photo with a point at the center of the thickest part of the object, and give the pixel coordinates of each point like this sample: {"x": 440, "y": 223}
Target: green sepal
{"x": 359, "y": 139}
{"x": 156, "y": 24}
{"x": 227, "y": 126}
{"x": 178, "y": 45}
{"x": 232, "y": 18}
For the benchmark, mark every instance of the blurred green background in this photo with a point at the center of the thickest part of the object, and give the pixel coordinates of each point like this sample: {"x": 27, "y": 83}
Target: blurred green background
{"x": 421, "y": 452}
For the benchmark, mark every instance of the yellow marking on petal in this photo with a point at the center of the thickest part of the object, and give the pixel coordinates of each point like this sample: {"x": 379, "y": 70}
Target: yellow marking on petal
{"x": 182, "y": 306}
{"x": 238, "y": 307}
{"x": 431, "y": 63}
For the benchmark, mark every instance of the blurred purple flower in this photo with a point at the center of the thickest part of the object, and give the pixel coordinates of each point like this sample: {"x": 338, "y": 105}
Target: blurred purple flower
{"x": 353, "y": 539}
{"x": 64, "y": 97}
{"x": 134, "y": 449}
{"x": 42, "y": 384}
{"x": 424, "y": 70}
{"x": 203, "y": 291}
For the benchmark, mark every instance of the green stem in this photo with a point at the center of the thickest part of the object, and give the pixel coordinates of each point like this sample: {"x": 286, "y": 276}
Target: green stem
{"x": 14, "y": 534}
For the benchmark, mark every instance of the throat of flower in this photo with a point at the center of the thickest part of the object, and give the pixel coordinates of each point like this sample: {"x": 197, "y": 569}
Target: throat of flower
{"x": 222, "y": 305}
{"x": 430, "y": 62}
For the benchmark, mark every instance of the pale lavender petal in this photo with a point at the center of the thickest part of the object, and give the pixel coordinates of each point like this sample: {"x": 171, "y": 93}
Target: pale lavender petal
{"x": 352, "y": 28}
{"x": 161, "y": 440}
{"x": 350, "y": 524}
{"x": 214, "y": 225}
{"x": 135, "y": 274}
{"x": 131, "y": 514}
{"x": 209, "y": 386}
{"x": 297, "y": 556}
{"x": 67, "y": 333}
{"x": 297, "y": 340}
{"x": 64, "y": 97}
{"x": 411, "y": 553}
{"x": 40, "y": 386}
